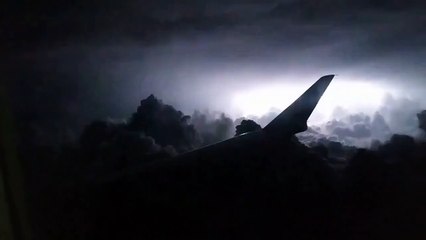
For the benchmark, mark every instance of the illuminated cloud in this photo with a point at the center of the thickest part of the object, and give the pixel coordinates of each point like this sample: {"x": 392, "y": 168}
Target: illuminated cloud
{"x": 354, "y": 95}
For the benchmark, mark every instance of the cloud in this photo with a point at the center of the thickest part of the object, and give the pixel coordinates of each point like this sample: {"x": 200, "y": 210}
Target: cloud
{"x": 422, "y": 120}
{"x": 156, "y": 130}
{"x": 352, "y": 129}
{"x": 155, "y": 196}
{"x": 379, "y": 127}
{"x": 247, "y": 126}
{"x": 358, "y": 131}
{"x": 212, "y": 127}
{"x": 401, "y": 114}
{"x": 395, "y": 115}
{"x": 113, "y": 147}
{"x": 164, "y": 123}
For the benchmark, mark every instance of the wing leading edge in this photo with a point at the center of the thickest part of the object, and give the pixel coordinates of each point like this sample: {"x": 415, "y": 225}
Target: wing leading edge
{"x": 289, "y": 122}
{"x": 294, "y": 118}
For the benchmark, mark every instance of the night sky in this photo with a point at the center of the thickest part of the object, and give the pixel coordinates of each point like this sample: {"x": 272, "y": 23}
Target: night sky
{"x": 68, "y": 63}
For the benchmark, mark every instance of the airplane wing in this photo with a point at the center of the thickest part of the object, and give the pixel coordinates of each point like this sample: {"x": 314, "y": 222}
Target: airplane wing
{"x": 289, "y": 122}
{"x": 294, "y": 118}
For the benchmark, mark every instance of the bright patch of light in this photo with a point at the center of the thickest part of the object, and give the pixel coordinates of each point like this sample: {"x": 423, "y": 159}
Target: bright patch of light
{"x": 350, "y": 95}
{"x": 261, "y": 100}
{"x": 353, "y": 96}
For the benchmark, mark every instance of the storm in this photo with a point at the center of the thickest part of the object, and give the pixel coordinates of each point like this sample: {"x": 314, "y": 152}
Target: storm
{"x": 136, "y": 114}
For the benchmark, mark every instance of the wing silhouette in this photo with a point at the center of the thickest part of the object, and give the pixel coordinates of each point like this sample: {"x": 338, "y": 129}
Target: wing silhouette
{"x": 294, "y": 118}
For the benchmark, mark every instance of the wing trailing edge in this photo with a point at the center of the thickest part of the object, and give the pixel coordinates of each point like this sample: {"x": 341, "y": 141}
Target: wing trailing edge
{"x": 294, "y": 118}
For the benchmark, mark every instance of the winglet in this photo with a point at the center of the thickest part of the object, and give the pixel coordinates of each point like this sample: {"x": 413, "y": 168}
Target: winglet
{"x": 294, "y": 118}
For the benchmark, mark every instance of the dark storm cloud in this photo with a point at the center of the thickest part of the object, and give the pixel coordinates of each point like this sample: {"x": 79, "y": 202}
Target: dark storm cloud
{"x": 376, "y": 33}
{"x": 157, "y": 127}
{"x": 46, "y": 22}
{"x": 165, "y": 124}
{"x": 258, "y": 38}
{"x": 28, "y": 24}
{"x": 114, "y": 147}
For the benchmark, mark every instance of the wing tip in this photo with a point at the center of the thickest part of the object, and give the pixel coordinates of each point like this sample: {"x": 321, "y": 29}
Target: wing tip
{"x": 296, "y": 115}
{"x": 328, "y": 77}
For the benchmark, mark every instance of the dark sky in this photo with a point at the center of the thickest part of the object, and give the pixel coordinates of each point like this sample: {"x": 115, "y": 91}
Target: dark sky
{"x": 86, "y": 59}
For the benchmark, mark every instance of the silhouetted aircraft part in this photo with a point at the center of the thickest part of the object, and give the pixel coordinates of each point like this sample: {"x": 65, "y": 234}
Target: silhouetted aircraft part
{"x": 289, "y": 122}
{"x": 294, "y": 118}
